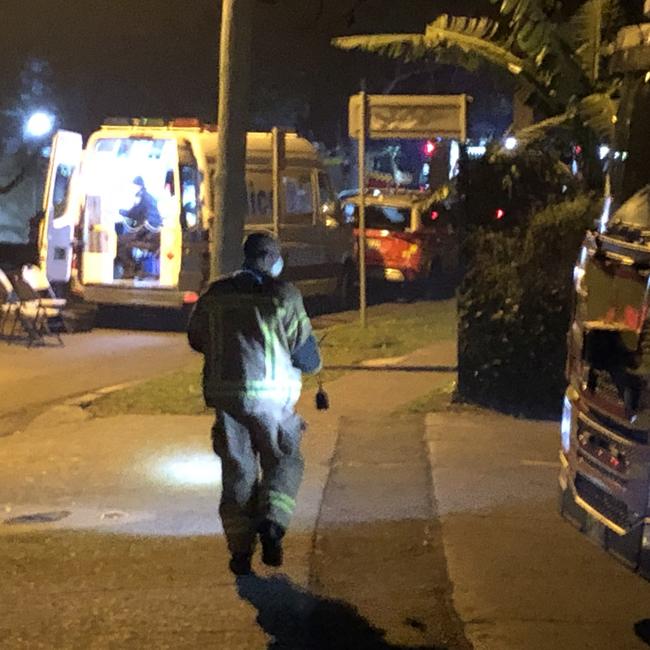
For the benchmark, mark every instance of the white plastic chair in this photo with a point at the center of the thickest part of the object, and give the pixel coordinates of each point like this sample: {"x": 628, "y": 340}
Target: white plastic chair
{"x": 37, "y": 280}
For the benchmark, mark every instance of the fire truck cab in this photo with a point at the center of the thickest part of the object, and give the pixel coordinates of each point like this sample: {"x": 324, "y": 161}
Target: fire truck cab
{"x": 605, "y": 431}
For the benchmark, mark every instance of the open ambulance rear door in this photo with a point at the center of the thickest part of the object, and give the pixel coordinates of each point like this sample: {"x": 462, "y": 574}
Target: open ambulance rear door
{"x": 61, "y": 206}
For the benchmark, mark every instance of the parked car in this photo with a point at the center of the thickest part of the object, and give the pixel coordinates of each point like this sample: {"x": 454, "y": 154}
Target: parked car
{"x": 410, "y": 236}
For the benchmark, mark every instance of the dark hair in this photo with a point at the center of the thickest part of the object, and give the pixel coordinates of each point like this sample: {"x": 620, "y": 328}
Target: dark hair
{"x": 259, "y": 245}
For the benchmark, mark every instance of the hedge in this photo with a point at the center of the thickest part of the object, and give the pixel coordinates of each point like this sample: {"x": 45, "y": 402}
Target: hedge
{"x": 514, "y": 310}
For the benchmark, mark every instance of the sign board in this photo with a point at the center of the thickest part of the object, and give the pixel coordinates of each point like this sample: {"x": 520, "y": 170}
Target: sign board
{"x": 411, "y": 116}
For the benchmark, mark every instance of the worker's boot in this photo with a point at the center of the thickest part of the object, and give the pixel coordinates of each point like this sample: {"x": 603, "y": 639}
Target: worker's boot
{"x": 271, "y": 535}
{"x": 240, "y": 564}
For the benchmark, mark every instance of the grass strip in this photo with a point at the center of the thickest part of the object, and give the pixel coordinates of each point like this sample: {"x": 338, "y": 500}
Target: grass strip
{"x": 393, "y": 330}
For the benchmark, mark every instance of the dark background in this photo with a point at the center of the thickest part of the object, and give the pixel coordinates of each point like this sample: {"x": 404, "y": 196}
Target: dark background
{"x": 159, "y": 58}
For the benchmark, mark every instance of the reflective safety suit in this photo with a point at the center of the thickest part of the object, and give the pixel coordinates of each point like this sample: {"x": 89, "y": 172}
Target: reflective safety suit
{"x": 256, "y": 339}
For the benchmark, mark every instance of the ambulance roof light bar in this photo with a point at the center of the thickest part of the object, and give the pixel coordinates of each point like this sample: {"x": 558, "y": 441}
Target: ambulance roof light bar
{"x": 134, "y": 121}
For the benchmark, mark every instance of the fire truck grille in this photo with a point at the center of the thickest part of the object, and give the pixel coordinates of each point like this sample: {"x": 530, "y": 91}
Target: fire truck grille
{"x": 607, "y": 505}
{"x": 606, "y": 388}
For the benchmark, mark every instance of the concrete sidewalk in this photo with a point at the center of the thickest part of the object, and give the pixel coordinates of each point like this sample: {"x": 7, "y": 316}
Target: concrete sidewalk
{"x": 113, "y": 535}
{"x": 409, "y": 534}
{"x": 523, "y": 577}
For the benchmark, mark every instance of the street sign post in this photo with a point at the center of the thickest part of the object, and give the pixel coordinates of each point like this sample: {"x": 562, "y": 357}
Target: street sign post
{"x": 278, "y": 164}
{"x": 363, "y": 125}
{"x": 415, "y": 117}
{"x": 411, "y": 116}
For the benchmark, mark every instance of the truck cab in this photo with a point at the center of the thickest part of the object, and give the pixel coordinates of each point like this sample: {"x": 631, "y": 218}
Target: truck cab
{"x": 605, "y": 432}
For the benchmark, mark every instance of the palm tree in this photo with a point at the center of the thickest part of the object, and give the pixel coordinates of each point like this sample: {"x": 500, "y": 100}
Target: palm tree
{"x": 559, "y": 64}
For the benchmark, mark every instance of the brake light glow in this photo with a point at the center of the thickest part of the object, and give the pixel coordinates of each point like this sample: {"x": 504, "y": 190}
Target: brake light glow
{"x": 190, "y": 297}
{"x": 434, "y": 215}
{"x": 499, "y": 214}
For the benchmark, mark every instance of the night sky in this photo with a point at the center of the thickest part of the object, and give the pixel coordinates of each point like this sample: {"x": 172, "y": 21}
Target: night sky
{"x": 159, "y": 57}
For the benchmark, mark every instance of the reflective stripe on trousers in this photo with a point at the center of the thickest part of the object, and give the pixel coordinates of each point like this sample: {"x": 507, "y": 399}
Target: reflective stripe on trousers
{"x": 262, "y": 468}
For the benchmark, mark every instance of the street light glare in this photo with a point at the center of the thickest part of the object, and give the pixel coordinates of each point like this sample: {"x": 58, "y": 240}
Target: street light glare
{"x": 511, "y": 143}
{"x": 39, "y": 124}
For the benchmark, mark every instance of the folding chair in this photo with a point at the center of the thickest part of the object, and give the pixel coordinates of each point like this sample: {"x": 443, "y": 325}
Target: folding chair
{"x": 35, "y": 317}
{"x": 6, "y": 308}
{"x": 7, "y": 304}
{"x": 37, "y": 280}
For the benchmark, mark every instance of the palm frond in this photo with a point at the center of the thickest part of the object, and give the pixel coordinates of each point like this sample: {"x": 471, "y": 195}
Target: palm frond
{"x": 470, "y": 36}
{"x": 535, "y": 34}
{"x": 598, "y": 112}
{"x": 541, "y": 129}
{"x": 584, "y": 32}
{"x": 407, "y": 47}
{"x": 467, "y": 40}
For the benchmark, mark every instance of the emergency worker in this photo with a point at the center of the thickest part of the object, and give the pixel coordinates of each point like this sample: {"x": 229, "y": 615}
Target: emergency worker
{"x": 140, "y": 228}
{"x": 256, "y": 339}
{"x": 144, "y": 211}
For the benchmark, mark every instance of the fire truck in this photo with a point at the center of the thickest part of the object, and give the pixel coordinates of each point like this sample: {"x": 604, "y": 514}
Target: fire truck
{"x": 605, "y": 431}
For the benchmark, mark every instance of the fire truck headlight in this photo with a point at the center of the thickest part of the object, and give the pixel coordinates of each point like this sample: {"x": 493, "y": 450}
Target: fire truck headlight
{"x": 565, "y": 427}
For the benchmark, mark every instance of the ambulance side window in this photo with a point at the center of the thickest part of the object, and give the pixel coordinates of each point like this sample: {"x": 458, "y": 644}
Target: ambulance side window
{"x": 190, "y": 197}
{"x": 60, "y": 191}
{"x": 329, "y": 206}
{"x": 299, "y": 199}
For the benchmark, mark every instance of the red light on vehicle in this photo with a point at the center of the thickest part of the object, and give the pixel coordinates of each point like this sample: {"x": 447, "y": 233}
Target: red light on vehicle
{"x": 499, "y": 214}
{"x": 434, "y": 215}
{"x": 578, "y": 149}
{"x": 190, "y": 297}
{"x": 430, "y": 148}
{"x": 186, "y": 122}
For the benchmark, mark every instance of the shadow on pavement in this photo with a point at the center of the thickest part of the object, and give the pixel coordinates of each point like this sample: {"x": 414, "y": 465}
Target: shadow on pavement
{"x": 642, "y": 629}
{"x": 298, "y": 620}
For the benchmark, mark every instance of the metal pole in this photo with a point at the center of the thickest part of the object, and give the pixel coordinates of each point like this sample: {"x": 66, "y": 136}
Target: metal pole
{"x": 231, "y": 205}
{"x": 275, "y": 139}
{"x": 362, "y": 210}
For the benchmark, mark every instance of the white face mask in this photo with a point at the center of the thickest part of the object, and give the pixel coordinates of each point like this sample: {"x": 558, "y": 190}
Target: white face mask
{"x": 276, "y": 269}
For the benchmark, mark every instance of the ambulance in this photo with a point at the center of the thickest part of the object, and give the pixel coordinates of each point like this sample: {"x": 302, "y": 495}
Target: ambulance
{"x": 127, "y": 217}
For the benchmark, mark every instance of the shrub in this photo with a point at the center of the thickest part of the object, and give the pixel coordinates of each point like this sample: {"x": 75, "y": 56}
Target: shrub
{"x": 514, "y": 310}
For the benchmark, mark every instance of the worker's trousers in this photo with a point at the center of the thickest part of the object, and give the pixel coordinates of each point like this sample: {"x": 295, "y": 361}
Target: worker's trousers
{"x": 262, "y": 468}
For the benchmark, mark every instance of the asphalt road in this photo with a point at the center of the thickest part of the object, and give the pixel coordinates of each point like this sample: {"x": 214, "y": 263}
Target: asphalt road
{"x": 34, "y": 378}
{"x": 31, "y": 378}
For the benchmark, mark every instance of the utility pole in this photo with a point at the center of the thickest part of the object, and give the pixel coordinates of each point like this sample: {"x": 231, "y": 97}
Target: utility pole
{"x": 231, "y": 204}
{"x": 363, "y": 293}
